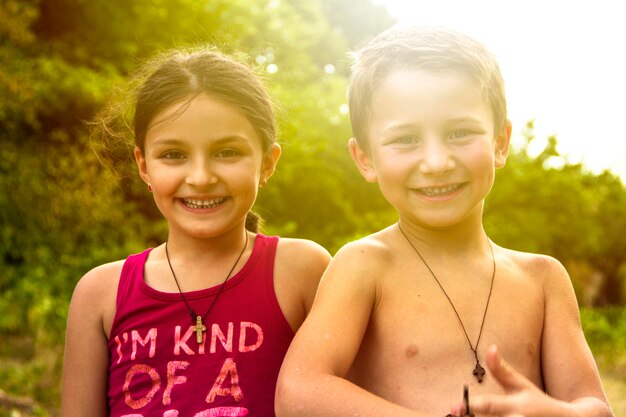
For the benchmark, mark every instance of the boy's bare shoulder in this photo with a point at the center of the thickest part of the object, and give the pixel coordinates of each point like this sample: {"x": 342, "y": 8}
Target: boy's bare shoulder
{"x": 528, "y": 262}
{"x": 372, "y": 253}
{"x": 543, "y": 269}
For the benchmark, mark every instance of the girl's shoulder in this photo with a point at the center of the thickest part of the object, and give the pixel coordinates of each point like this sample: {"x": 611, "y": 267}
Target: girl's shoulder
{"x": 301, "y": 254}
{"x": 298, "y": 268}
{"x": 101, "y": 278}
{"x": 96, "y": 291}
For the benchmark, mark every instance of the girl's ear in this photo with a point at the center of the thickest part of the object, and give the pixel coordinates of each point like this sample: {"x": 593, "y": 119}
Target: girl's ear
{"x": 141, "y": 166}
{"x": 363, "y": 161}
{"x": 502, "y": 145}
{"x": 269, "y": 162}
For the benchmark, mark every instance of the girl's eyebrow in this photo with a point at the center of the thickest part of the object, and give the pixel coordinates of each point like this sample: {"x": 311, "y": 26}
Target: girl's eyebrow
{"x": 168, "y": 141}
{"x": 217, "y": 142}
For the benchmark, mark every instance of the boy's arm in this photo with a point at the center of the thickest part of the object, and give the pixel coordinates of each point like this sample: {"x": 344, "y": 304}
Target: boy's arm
{"x": 522, "y": 397}
{"x": 86, "y": 358}
{"x": 570, "y": 376}
{"x": 312, "y": 379}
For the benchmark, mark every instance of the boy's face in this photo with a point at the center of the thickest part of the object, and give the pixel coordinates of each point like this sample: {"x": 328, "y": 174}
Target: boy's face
{"x": 433, "y": 148}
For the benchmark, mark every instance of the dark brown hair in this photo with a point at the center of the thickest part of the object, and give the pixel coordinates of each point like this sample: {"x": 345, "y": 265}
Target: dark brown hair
{"x": 178, "y": 76}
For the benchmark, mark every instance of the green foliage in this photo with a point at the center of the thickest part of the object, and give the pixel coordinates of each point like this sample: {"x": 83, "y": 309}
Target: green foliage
{"x": 62, "y": 212}
{"x": 566, "y": 212}
{"x": 605, "y": 330}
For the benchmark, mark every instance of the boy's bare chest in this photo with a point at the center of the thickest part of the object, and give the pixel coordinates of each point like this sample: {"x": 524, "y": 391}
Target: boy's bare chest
{"x": 419, "y": 345}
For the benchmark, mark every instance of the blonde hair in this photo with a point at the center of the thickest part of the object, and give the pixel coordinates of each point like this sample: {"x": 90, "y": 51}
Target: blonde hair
{"x": 431, "y": 49}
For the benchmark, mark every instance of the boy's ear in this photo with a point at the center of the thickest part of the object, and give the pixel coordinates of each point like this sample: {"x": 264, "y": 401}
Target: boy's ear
{"x": 269, "y": 161}
{"x": 141, "y": 165}
{"x": 363, "y": 161}
{"x": 502, "y": 145}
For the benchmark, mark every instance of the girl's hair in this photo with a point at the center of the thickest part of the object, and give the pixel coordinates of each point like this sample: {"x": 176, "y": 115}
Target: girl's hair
{"x": 178, "y": 76}
{"x": 431, "y": 49}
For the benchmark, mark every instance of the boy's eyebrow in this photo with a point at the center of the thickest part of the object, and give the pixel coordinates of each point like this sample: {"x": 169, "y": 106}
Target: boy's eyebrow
{"x": 464, "y": 119}
{"x": 408, "y": 125}
{"x": 401, "y": 126}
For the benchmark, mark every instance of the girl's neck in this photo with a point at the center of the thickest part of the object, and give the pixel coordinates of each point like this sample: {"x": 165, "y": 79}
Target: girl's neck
{"x": 206, "y": 250}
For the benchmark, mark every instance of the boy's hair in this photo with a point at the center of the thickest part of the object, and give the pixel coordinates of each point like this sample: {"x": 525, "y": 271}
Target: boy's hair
{"x": 179, "y": 76}
{"x": 431, "y": 49}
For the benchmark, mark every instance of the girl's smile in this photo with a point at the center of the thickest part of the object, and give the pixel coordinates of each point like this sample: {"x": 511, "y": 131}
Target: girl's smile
{"x": 204, "y": 161}
{"x": 202, "y": 204}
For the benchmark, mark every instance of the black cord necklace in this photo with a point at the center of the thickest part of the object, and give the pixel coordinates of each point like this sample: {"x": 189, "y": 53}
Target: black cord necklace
{"x": 479, "y": 371}
{"x": 196, "y": 319}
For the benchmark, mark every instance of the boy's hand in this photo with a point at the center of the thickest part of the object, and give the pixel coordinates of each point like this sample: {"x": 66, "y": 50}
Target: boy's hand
{"x": 522, "y": 398}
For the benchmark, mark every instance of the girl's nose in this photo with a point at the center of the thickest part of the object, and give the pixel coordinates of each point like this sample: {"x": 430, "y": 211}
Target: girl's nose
{"x": 201, "y": 173}
{"x": 436, "y": 158}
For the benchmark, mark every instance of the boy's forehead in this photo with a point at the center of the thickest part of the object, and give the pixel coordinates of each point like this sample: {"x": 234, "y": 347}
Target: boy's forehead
{"x": 416, "y": 85}
{"x": 420, "y": 97}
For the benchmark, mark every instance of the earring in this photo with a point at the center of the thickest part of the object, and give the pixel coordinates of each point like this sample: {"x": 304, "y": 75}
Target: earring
{"x": 263, "y": 183}
{"x": 149, "y": 187}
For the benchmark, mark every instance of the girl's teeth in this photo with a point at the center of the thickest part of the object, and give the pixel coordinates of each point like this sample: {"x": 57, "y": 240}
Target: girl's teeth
{"x": 439, "y": 191}
{"x": 203, "y": 204}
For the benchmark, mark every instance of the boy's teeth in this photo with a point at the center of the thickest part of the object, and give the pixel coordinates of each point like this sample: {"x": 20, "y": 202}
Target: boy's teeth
{"x": 431, "y": 191}
{"x": 195, "y": 203}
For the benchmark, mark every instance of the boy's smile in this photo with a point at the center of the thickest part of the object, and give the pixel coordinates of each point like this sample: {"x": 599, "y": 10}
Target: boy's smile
{"x": 433, "y": 148}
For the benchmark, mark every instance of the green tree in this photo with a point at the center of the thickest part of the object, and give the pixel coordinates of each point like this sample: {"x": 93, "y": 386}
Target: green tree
{"x": 566, "y": 212}
{"x": 62, "y": 212}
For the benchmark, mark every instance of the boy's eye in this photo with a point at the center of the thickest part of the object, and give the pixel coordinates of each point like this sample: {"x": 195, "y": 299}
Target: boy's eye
{"x": 408, "y": 139}
{"x": 459, "y": 133}
{"x": 228, "y": 153}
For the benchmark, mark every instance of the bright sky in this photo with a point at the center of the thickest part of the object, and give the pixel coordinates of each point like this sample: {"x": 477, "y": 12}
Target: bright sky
{"x": 563, "y": 62}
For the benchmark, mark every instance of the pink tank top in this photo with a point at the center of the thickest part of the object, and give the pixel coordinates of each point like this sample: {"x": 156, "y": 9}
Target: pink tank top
{"x": 157, "y": 367}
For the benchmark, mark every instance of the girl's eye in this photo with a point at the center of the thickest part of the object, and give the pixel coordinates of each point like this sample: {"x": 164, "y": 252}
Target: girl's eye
{"x": 173, "y": 155}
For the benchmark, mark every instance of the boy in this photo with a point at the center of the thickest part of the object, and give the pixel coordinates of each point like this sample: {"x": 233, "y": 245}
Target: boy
{"x": 404, "y": 318}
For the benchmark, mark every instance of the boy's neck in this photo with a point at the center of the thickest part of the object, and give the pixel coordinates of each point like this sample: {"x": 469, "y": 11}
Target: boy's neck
{"x": 463, "y": 239}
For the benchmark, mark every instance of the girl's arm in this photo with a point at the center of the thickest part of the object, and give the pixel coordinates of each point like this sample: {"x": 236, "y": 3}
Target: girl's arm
{"x": 86, "y": 359}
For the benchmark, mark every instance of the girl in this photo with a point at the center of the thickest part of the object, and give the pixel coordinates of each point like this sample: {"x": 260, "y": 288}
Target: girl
{"x": 199, "y": 325}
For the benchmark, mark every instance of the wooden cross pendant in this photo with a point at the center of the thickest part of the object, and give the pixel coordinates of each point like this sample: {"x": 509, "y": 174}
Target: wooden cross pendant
{"x": 479, "y": 372}
{"x": 199, "y": 328}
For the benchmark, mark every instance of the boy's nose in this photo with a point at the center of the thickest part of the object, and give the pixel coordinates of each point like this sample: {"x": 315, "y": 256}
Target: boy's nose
{"x": 436, "y": 158}
{"x": 201, "y": 174}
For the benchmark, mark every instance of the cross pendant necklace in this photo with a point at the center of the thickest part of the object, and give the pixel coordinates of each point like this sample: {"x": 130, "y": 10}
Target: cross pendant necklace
{"x": 199, "y": 328}
{"x": 196, "y": 319}
{"x": 479, "y": 371}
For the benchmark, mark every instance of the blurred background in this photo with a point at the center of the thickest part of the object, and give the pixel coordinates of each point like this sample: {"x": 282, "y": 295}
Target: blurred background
{"x": 62, "y": 211}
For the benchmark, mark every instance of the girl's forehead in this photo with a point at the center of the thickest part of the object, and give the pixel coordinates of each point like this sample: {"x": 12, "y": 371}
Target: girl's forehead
{"x": 201, "y": 117}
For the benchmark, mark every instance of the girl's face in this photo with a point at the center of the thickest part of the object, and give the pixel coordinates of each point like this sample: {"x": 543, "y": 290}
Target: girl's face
{"x": 204, "y": 162}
